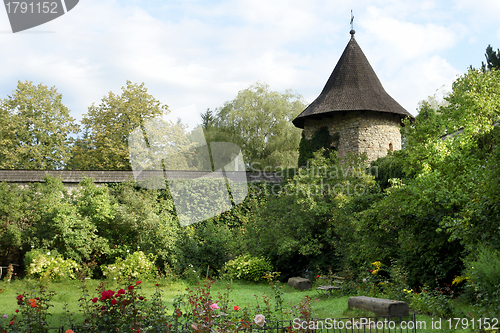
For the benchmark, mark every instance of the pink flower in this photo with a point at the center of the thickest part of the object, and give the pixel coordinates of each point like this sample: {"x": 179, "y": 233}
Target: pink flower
{"x": 214, "y": 306}
{"x": 260, "y": 320}
{"x": 236, "y": 308}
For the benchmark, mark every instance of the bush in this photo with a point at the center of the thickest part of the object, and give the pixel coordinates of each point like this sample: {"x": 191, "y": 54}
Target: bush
{"x": 43, "y": 265}
{"x": 137, "y": 265}
{"x": 483, "y": 276}
{"x": 248, "y": 268}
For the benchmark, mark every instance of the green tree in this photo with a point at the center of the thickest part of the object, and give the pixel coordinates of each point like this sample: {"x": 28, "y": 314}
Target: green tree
{"x": 35, "y": 129}
{"x": 492, "y": 59}
{"x": 109, "y": 125}
{"x": 305, "y": 210}
{"x": 448, "y": 206}
{"x": 259, "y": 121}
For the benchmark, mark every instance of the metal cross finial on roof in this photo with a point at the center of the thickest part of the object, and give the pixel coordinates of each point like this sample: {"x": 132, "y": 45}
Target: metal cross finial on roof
{"x": 352, "y": 32}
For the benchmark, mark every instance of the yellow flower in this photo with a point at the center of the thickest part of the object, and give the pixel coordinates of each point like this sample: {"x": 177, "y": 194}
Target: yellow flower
{"x": 459, "y": 279}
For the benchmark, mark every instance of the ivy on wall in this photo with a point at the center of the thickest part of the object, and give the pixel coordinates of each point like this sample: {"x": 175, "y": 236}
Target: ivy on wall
{"x": 320, "y": 139}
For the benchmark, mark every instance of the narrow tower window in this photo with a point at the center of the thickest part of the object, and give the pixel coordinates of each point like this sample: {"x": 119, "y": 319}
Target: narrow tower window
{"x": 390, "y": 146}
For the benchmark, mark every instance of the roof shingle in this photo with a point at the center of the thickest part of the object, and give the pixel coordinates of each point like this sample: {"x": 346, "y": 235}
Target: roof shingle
{"x": 352, "y": 86}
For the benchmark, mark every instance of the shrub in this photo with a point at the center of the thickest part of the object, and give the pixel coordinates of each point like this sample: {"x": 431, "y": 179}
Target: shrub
{"x": 484, "y": 281}
{"x": 137, "y": 265}
{"x": 53, "y": 267}
{"x": 31, "y": 315}
{"x": 248, "y": 268}
{"x": 125, "y": 309}
{"x": 432, "y": 302}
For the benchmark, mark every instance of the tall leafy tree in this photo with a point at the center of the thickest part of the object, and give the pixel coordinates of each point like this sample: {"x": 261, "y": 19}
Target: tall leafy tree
{"x": 35, "y": 128}
{"x": 108, "y": 127}
{"x": 260, "y": 122}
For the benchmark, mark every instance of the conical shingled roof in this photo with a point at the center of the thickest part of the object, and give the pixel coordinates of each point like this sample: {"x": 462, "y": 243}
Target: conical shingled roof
{"x": 353, "y": 86}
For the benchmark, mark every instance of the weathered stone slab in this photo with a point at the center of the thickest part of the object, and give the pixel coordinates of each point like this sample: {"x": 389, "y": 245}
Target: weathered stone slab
{"x": 379, "y": 306}
{"x": 299, "y": 283}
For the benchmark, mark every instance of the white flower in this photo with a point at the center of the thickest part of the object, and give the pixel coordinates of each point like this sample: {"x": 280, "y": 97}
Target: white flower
{"x": 48, "y": 253}
{"x": 260, "y": 320}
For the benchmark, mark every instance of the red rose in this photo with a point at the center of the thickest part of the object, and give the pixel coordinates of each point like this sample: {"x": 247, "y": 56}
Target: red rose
{"x": 11, "y": 323}
{"x": 19, "y": 297}
{"x": 236, "y": 308}
{"x": 94, "y": 299}
{"x": 121, "y": 291}
{"x": 107, "y": 294}
{"x": 17, "y": 310}
{"x": 317, "y": 276}
{"x": 138, "y": 282}
{"x": 130, "y": 288}
{"x": 113, "y": 301}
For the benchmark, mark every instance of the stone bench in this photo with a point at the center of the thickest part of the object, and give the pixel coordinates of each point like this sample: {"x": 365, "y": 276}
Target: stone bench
{"x": 379, "y": 306}
{"x": 299, "y": 283}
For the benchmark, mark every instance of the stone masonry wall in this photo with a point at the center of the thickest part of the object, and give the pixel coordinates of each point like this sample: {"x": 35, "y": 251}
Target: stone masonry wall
{"x": 360, "y": 132}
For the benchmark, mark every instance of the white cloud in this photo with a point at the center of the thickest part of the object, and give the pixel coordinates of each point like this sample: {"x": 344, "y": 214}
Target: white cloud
{"x": 203, "y": 53}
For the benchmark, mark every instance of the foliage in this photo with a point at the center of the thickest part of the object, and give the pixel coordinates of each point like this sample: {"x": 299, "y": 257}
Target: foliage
{"x": 483, "y": 280}
{"x": 55, "y": 223}
{"x": 31, "y": 316}
{"x": 320, "y": 139}
{"x": 204, "y": 247}
{"x": 36, "y": 129}
{"x": 123, "y": 310}
{"x": 432, "y": 219}
{"x": 258, "y": 120}
{"x": 52, "y": 267}
{"x": 136, "y": 266}
{"x": 247, "y": 267}
{"x": 107, "y": 128}
{"x": 434, "y": 302}
{"x": 492, "y": 59}
{"x": 388, "y": 167}
{"x": 12, "y": 222}
{"x": 301, "y": 209}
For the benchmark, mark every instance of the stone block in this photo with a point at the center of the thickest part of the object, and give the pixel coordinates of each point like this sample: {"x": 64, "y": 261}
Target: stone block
{"x": 299, "y": 283}
{"x": 379, "y": 306}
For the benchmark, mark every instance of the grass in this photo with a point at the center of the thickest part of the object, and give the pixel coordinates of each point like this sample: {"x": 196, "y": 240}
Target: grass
{"x": 243, "y": 294}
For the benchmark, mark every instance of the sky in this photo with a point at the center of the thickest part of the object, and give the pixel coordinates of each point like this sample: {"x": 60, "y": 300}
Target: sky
{"x": 193, "y": 54}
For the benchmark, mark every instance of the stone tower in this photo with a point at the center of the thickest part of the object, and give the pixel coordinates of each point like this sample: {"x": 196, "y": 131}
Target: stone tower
{"x": 355, "y": 108}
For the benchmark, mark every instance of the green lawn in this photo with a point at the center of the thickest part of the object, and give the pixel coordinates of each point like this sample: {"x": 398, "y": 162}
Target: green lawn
{"x": 243, "y": 294}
